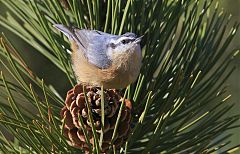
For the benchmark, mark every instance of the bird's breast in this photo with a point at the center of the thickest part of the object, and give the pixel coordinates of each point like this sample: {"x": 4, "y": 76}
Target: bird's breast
{"x": 123, "y": 71}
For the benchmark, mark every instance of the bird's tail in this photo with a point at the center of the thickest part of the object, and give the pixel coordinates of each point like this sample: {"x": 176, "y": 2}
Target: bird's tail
{"x": 66, "y": 31}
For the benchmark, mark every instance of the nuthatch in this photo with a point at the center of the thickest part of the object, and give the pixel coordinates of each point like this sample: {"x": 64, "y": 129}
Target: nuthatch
{"x": 100, "y": 58}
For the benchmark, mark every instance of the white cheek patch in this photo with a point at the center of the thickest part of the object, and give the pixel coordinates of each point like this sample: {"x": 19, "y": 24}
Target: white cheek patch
{"x": 117, "y": 50}
{"x": 109, "y": 53}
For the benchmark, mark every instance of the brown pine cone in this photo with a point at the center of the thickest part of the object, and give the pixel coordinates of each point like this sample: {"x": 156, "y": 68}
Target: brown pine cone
{"x": 75, "y": 106}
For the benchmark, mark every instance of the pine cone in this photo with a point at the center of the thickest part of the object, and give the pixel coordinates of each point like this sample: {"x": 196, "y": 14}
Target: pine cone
{"x": 75, "y": 106}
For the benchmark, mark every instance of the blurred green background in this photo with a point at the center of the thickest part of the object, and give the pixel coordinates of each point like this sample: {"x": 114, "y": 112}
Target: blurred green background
{"x": 46, "y": 70}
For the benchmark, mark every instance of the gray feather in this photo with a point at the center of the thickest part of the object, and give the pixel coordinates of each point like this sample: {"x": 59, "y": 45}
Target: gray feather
{"x": 92, "y": 43}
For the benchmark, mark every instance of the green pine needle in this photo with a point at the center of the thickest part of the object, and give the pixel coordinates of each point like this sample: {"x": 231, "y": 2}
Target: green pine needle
{"x": 180, "y": 100}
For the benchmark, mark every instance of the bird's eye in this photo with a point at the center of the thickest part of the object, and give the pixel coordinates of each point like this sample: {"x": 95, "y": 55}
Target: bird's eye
{"x": 125, "y": 41}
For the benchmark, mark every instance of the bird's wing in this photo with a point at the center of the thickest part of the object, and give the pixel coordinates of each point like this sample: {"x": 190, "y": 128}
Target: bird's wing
{"x": 92, "y": 44}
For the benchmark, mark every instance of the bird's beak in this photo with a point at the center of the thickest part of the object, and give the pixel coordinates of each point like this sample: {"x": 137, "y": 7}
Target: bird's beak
{"x": 138, "y": 40}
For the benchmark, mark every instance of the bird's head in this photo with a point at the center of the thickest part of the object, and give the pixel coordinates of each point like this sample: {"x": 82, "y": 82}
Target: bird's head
{"x": 127, "y": 43}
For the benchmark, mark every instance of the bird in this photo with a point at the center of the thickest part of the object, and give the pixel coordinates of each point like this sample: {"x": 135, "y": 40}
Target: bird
{"x": 103, "y": 59}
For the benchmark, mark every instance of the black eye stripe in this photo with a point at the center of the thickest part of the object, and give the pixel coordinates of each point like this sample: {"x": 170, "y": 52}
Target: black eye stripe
{"x": 126, "y": 41}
